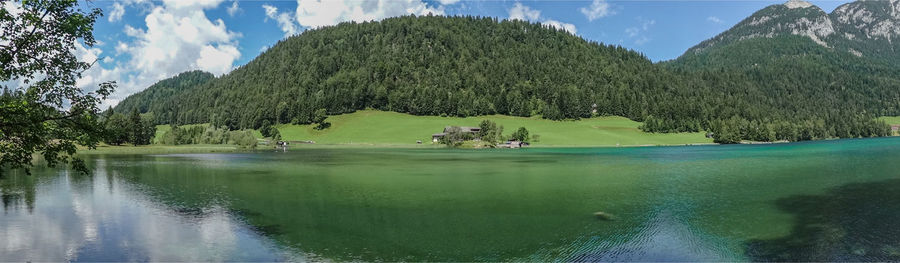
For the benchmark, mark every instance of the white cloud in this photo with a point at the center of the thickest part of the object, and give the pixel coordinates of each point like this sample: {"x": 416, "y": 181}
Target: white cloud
{"x": 560, "y": 25}
{"x": 91, "y": 78}
{"x": 597, "y": 9}
{"x": 133, "y": 32}
{"x": 647, "y": 23}
{"x": 121, "y": 48}
{"x": 217, "y": 59}
{"x": 284, "y": 20}
{"x": 638, "y": 33}
{"x": 118, "y": 10}
{"x": 525, "y": 13}
{"x": 522, "y": 12}
{"x": 632, "y": 31}
{"x": 318, "y": 13}
{"x": 177, "y": 37}
{"x": 190, "y": 5}
{"x": 642, "y": 40}
{"x": 12, "y": 7}
{"x": 714, "y": 19}
{"x": 448, "y": 2}
{"x": 234, "y": 9}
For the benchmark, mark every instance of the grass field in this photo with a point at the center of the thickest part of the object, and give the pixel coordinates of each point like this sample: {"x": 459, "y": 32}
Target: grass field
{"x": 391, "y": 128}
{"x": 893, "y": 120}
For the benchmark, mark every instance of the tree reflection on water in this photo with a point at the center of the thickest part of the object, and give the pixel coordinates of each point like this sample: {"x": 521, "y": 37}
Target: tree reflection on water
{"x": 853, "y": 222}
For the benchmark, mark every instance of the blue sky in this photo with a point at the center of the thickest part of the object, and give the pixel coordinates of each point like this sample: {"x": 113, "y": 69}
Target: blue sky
{"x": 144, "y": 41}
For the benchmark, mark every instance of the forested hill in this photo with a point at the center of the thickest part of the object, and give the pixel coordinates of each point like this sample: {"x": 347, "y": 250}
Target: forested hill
{"x": 464, "y": 66}
{"x": 160, "y": 98}
{"x": 458, "y": 66}
{"x": 813, "y": 60}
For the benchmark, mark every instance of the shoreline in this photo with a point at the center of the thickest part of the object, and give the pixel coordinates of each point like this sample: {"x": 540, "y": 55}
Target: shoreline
{"x": 206, "y": 148}
{"x": 221, "y": 148}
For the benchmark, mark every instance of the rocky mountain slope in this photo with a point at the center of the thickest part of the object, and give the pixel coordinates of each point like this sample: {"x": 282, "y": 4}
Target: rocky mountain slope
{"x": 868, "y": 29}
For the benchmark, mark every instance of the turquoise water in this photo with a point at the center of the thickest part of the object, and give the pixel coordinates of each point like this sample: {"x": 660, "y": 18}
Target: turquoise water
{"x": 814, "y": 201}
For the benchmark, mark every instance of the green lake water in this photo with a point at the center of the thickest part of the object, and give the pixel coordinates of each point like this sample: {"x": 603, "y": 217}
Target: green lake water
{"x": 813, "y": 201}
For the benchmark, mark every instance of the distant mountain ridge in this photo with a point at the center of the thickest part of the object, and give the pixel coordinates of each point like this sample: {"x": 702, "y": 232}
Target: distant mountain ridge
{"x": 869, "y": 29}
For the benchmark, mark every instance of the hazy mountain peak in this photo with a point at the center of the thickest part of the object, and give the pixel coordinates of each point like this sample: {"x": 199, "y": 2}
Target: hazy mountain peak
{"x": 862, "y": 28}
{"x": 792, "y": 4}
{"x": 795, "y": 17}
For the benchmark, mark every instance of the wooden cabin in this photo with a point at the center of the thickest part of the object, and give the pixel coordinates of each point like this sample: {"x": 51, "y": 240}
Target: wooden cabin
{"x": 473, "y": 130}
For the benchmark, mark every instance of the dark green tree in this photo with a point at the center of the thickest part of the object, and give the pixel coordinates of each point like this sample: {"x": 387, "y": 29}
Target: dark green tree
{"x": 135, "y": 128}
{"x": 47, "y": 113}
{"x": 116, "y": 129}
{"x": 148, "y": 123}
{"x": 521, "y": 135}
{"x": 490, "y": 132}
{"x": 319, "y": 118}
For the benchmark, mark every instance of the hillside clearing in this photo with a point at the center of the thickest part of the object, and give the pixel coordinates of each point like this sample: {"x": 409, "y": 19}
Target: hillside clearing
{"x": 891, "y": 120}
{"x": 391, "y": 128}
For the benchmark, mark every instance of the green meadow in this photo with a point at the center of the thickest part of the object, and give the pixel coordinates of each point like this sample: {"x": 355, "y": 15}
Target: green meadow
{"x": 891, "y": 120}
{"x": 391, "y": 128}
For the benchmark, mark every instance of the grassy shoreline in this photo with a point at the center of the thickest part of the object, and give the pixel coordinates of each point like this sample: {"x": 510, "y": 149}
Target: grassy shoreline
{"x": 205, "y": 148}
{"x": 159, "y": 149}
{"x": 381, "y": 129}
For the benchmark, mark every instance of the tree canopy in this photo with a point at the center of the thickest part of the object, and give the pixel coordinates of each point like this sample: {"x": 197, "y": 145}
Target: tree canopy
{"x": 44, "y": 111}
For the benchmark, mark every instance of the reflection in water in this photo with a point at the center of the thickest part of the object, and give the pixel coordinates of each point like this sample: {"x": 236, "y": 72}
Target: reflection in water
{"x": 851, "y": 223}
{"x": 813, "y": 201}
{"x": 16, "y": 191}
{"x": 84, "y": 218}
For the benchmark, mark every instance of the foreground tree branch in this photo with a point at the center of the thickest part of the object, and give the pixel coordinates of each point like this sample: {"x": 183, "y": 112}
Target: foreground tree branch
{"x": 47, "y": 113}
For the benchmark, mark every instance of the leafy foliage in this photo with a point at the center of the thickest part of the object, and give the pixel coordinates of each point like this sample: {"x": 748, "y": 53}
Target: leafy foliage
{"x": 521, "y": 135}
{"x": 137, "y": 129}
{"x": 319, "y": 118}
{"x": 46, "y": 112}
{"x": 208, "y": 134}
{"x": 490, "y": 132}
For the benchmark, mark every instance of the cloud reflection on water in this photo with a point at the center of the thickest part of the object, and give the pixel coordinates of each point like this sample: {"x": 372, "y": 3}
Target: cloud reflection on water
{"x": 97, "y": 218}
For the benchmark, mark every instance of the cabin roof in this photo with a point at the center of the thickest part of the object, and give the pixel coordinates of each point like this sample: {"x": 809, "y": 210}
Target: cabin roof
{"x": 463, "y": 129}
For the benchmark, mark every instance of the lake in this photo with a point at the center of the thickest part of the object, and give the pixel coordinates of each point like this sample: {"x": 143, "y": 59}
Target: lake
{"x": 812, "y": 201}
